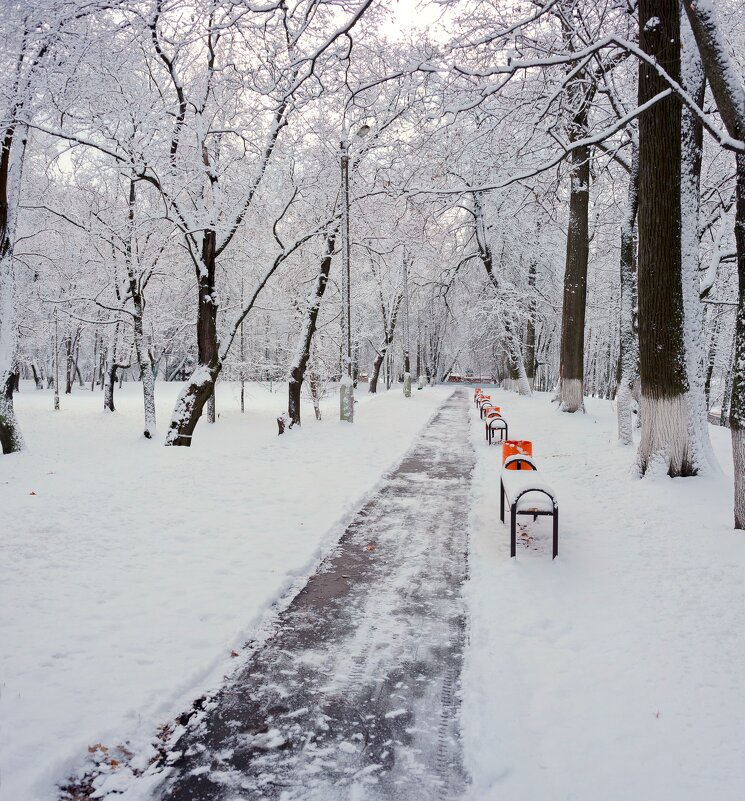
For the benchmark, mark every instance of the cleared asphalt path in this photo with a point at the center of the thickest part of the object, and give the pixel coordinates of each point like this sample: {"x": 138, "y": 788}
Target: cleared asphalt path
{"x": 355, "y": 696}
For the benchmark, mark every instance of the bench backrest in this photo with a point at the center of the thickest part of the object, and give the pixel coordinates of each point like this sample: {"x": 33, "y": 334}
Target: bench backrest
{"x": 519, "y": 461}
{"x": 516, "y": 447}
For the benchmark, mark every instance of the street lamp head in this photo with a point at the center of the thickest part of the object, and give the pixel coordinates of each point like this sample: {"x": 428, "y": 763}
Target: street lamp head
{"x": 363, "y": 131}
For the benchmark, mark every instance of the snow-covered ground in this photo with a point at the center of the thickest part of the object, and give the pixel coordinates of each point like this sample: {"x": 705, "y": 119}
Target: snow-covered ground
{"x": 129, "y": 572}
{"x": 616, "y": 672}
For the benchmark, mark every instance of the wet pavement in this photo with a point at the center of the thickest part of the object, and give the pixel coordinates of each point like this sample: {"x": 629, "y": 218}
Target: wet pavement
{"x": 356, "y": 694}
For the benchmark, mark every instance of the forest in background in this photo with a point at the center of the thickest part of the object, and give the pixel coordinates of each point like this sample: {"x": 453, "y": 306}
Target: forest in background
{"x": 546, "y": 195}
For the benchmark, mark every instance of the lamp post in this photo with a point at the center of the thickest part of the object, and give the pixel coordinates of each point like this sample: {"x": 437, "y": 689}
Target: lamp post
{"x": 346, "y": 388}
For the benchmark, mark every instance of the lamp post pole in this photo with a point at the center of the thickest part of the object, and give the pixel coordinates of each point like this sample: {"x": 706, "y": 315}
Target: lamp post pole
{"x": 346, "y": 388}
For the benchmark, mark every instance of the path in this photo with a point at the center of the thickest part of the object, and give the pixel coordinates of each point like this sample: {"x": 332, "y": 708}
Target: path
{"x": 356, "y": 694}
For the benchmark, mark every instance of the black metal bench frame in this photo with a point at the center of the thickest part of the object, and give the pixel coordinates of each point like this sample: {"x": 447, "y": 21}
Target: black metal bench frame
{"x": 504, "y": 432}
{"x": 535, "y": 515}
{"x": 486, "y": 405}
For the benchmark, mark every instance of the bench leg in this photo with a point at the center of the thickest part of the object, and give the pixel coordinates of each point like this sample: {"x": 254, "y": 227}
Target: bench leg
{"x": 556, "y": 533}
{"x": 513, "y": 530}
{"x": 501, "y": 500}
{"x": 505, "y": 432}
{"x": 487, "y": 432}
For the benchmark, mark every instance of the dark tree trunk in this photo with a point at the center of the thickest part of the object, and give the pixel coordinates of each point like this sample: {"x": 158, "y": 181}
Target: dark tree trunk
{"x": 11, "y": 163}
{"x": 665, "y": 436}
{"x": 201, "y": 384}
{"x": 572, "y": 355}
{"x": 7, "y": 431}
{"x": 530, "y": 333}
{"x": 302, "y": 355}
{"x": 69, "y": 365}
{"x": 108, "y": 395}
{"x": 377, "y": 364}
{"x": 389, "y": 330}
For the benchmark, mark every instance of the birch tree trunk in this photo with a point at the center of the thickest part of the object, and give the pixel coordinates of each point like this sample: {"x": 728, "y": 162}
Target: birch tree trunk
{"x": 310, "y": 320}
{"x": 629, "y": 358}
{"x": 729, "y": 94}
{"x": 692, "y": 76}
{"x": 142, "y": 352}
{"x": 737, "y": 408}
{"x": 665, "y": 439}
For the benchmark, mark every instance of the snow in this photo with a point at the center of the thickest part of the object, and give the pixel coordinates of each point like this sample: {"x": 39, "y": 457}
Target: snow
{"x": 614, "y": 672}
{"x": 131, "y": 571}
{"x": 530, "y": 489}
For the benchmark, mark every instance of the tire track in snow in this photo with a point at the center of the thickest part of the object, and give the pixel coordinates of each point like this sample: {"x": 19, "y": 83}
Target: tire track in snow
{"x": 356, "y": 695}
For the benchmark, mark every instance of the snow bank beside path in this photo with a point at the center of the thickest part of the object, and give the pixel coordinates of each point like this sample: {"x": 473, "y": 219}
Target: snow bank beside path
{"x": 616, "y": 672}
{"x": 130, "y": 571}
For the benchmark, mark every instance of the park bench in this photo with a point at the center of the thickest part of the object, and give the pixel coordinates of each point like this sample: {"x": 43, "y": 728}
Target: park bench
{"x": 494, "y": 422}
{"x": 526, "y": 493}
{"x": 485, "y": 402}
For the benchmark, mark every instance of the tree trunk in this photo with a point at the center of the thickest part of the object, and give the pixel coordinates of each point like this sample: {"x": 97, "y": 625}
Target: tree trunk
{"x": 729, "y": 94}
{"x": 737, "y": 407}
{"x": 530, "y": 333}
{"x": 665, "y": 441}
{"x": 11, "y": 168}
{"x": 69, "y": 366}
{"x": 196, "y": 393}
{"x": 377, "y": 364}
{"x": 710, "y": 359}
{"x": 110, "y": 383}
{"x": 571, "y": 364}
{"x": 692, "y": 76}
{"x": 142, "y": 354}
{"x": 112, "y": 366}
{"x": 629, "y": 357}
{"x": 517, "y": 365}
{"x": 302, "y": 353}
{"x": 37, "y": 378}
{"x": 384, "y": 354}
